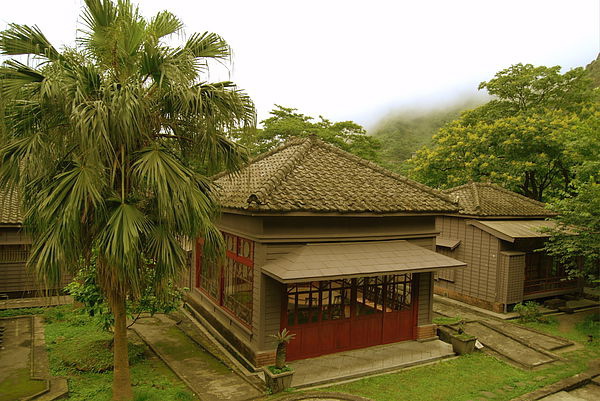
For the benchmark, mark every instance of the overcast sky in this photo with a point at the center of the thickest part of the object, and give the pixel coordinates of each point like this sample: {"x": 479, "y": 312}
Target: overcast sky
{"x": 359, "y": 60}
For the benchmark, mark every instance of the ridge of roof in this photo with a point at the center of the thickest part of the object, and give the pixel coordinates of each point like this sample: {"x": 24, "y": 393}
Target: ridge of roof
{"x": 277, "y": 178}
{"x": 10, "y": 207}
{"x": 476, "y": 196}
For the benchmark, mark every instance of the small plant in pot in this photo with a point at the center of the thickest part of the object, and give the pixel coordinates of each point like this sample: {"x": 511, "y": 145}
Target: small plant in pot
{"x": 279, "y": 376}
{"x": 463, "y": 343}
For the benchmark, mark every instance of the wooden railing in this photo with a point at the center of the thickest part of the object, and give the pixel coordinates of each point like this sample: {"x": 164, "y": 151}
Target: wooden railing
{"x": 548, "y": 284}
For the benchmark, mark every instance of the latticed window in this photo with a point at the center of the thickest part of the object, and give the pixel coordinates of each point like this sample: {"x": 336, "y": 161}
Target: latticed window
{"x": 14, "y": 253}
{"x": 230, "y": 285}
{"x": 320, "y": 301}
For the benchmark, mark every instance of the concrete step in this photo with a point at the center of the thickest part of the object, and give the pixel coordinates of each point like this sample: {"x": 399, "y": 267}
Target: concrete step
{"x": 59, "y": 389}
{"x": 562, "y": 396}
{"x": 508, "y": 347}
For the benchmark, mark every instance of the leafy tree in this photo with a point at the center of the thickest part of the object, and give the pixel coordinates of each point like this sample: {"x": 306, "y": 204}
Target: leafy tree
{"x": 97, "y": 139}
{"x": 520, "y": 139}
{"x": 286, "y": 123}
{"x": 576, "y": 239}
{"x": 85, "y": 290}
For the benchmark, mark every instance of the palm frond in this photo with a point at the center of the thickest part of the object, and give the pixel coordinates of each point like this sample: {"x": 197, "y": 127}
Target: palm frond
{"x": 207, "y": 45}
{"x": 166, "y": 251}
{"x": 26, "y": 40}
{"x": 15, "y": 75}
{"x": 121, "y": 239}
{"x": 164, "y": 24}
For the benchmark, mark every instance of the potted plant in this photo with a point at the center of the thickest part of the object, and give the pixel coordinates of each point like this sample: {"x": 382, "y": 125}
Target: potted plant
{"x": 279, "y": 376}
{"x": 462, "y": 343}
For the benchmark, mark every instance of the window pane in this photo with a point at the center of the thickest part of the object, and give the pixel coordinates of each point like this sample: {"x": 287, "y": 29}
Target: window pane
{"x": 238, "y": 290}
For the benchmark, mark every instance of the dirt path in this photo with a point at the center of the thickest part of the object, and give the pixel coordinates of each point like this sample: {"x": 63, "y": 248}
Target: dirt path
{"x": 566, "y": 322}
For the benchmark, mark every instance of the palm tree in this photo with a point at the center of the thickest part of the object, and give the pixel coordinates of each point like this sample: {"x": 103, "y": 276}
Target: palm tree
{"x": 100, "y": 139}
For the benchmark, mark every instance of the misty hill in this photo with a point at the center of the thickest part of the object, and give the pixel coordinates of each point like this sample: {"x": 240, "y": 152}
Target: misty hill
{"x": 593, "y": 70}
{"x": 403, "y": 132}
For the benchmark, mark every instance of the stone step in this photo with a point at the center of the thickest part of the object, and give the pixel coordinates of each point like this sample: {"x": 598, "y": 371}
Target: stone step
{"x": 59, "y": 389}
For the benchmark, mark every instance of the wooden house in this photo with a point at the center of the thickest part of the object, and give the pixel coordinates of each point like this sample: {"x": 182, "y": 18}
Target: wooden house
{"x": 497, "y": 232}
{"x": 14, "y": 248}
{"x": 334, "y": 248}
{"x": 15, "y": 279}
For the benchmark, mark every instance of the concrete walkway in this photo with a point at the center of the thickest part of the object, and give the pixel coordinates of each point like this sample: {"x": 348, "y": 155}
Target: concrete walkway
{"x": 24, "y": 365}
{"x": 206, "y": 376}
{"x": 367, "y": 361}
{"x": 522, "y": 346}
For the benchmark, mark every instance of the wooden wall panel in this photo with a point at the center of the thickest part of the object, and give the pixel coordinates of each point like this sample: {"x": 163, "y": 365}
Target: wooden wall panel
{"x": 479, "y": 250}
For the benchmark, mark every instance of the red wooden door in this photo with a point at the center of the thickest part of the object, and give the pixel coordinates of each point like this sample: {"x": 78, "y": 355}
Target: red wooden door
{"x": 359, "y": 326}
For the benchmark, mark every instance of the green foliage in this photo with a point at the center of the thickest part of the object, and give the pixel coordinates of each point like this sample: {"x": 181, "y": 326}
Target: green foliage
{"x": 98, "y": 138}
{"x": 529, "y": 312}
{"x": 523, "y": 140}
{"x": 275, "y": 370}
{"x": 284, "y": 336}
{"x": 287, "y": 123}
{"x": 575, "y": 241}
{"x": 85, "y": 290}
{"x": 593, "y": 71}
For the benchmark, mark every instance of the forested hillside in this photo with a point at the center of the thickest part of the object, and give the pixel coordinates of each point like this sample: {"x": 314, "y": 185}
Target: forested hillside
{"x": 403, "y": 132}
{"x": 593, "y": 70}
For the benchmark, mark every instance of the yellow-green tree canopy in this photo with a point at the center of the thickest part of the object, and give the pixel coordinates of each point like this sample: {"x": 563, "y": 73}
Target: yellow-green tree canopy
{"x": 521, "y": 139}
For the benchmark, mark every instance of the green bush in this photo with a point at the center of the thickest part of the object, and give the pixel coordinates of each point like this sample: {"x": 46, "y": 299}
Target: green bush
{"x": 530, "y": 312}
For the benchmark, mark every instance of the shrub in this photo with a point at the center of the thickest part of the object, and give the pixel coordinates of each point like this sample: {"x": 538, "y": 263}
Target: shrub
{"x": 530, "y": 312}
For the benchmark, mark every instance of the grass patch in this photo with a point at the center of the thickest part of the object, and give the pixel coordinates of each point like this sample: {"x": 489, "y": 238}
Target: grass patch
{"x": 447, "y": 320}
{"x": 22, "y": 312}
{"x": 470, "y": 376}
{"x": 95, "y": 355}
{"x": 463, "y": 378}
{"x": 18, "y": 385}
{"x": 66, "y": 332}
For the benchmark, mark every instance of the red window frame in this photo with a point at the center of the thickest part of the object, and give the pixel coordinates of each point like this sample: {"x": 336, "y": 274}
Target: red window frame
{"x": 240, "y": 250}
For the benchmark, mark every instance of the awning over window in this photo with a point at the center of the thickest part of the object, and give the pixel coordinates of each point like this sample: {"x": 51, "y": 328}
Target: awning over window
{"x": 447, "y": 243}
{"x": 314, "y": 262}
{"x": 511, "y": 230}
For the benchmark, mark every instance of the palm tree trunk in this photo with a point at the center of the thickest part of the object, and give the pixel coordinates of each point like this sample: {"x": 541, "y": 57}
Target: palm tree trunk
{"x": 121, "y": 377}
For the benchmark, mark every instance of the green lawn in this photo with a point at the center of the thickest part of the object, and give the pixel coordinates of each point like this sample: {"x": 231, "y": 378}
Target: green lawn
{"x": 479, "y": 375}
{"x": 73, "y": 340}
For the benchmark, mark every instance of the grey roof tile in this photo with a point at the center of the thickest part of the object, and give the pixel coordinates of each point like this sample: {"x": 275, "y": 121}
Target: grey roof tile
{"x": 486, "y": 199}
{"x": 10, "y": 208}
{"x": 312, "y": 176}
